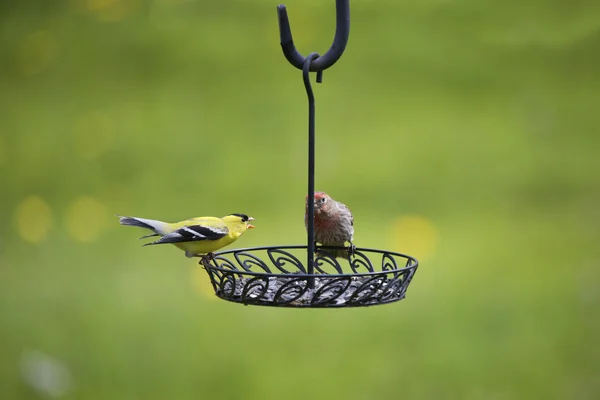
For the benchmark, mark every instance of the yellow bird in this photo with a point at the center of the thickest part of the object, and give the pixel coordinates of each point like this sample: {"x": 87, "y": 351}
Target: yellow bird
{"x": 196, "y": 236}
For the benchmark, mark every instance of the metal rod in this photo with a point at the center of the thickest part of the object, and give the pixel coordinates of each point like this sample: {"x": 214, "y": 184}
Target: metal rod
{"x": 311, "y": 166}
{"x": 314, "y": 63}
{"x": 340, "y": 40}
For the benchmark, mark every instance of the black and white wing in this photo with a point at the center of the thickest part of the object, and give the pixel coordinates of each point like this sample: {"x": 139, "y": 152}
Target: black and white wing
{"x": 193, "y": 233}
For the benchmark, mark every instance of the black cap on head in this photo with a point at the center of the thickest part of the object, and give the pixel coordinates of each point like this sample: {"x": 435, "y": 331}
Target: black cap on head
{"x": 244, "y": 217}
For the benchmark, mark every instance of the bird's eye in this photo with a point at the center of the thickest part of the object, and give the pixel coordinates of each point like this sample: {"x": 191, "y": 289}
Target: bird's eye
{"x": 323, "y": 200}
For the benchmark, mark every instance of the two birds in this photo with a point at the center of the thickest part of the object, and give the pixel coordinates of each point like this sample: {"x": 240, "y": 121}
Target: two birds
{"x": 200, "y": 237}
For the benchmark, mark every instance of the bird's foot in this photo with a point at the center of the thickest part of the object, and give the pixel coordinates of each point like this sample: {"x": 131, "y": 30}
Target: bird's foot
{"x": 351, "y": 249}
{"x": 208, "y": 257}
{"x": 205, "y": 259}
{"x": 316, "y": 248}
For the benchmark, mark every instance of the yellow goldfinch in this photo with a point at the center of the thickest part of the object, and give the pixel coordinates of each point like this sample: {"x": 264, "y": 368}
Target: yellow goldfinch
{"x": 196, "y": 236}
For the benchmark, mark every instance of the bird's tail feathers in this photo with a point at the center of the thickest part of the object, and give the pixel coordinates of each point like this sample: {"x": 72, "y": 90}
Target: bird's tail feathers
{"x": 156, "y": 226}
{"x": 168, "y": 238}
{"x": 147, "y": 236}
{"x": 335, "y": 253}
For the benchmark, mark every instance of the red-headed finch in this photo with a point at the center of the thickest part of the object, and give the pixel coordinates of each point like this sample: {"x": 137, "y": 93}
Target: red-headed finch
{"x": 334, "y": 224}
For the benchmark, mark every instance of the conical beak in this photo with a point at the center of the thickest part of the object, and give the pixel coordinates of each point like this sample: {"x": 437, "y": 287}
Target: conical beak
{"x": 250, "y": 226}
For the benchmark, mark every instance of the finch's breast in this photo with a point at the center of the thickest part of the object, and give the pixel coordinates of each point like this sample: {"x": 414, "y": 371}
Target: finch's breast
{"x": 329, "y": 231}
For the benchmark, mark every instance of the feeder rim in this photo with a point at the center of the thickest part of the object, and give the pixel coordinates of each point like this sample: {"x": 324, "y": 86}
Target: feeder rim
{"x": 413, "y": 265}
{"x": 303, "y": 246}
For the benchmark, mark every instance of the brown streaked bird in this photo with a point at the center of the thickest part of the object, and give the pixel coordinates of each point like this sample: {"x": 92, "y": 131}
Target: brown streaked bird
{"x": 334, "y": 224}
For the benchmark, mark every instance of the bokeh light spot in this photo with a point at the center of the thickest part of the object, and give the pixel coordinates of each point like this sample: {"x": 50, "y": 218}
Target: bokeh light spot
{"x": 94, "y": 135}
{"x": 414, "y": 235}
{"x": 33, "y": 219}
{"x": 111, "y": 10}
{"x": 48, "y": 375}
{"x": 202, "y": 283}
{"x": 36, "y": 52}
{"x": 86, "y": 219}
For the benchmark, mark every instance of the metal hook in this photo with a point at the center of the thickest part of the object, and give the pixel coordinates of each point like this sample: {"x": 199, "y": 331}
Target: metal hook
{"x": 342, "y": 32}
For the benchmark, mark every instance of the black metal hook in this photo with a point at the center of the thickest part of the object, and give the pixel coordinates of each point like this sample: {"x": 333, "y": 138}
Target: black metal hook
{"x": 342, "y": 32}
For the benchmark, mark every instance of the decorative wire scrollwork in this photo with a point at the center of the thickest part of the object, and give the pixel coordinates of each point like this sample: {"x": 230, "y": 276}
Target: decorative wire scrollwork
{"x": 280, "y": 258}
{"x": 323, "y": 257}
{"x": 368, "y": 290}
{"x": 331, "y": 291}
{"x": 248, "y": 260}
{"x": 394, "y": 287}
{"x": 388, "y": 263}
{"x": 360, "y": 261}
{"x": 291, "y": 291}
{"x": 227, "y": 285}
{"x": 254, "y": 289}
{"x": 244, "y": 276}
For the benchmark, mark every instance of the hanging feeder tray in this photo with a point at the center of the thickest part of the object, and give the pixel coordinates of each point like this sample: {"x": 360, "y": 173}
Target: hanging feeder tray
{"x": 275, "y": 276}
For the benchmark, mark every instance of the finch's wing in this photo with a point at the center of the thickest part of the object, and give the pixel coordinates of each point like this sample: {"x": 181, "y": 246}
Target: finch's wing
{"x": 345, "y": 208}
{"x": 193, "y": 233}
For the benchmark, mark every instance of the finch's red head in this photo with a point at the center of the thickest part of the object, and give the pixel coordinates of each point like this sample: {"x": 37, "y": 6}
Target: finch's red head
{"x": 321, "y": 195}
{"x": 321, "y": 200}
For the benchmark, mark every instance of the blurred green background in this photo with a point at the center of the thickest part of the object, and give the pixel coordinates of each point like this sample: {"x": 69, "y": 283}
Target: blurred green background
{"x": 463, "y": 133}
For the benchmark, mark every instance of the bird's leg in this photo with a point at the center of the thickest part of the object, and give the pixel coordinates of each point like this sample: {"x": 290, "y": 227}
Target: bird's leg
{"x": 208, "y": 257}
{"x": 351, "y": 249}
{"x": 205, "y": 259}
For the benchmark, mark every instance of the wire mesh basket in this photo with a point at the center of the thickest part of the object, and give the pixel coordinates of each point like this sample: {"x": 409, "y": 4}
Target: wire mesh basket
{"x": 275, "y": 276}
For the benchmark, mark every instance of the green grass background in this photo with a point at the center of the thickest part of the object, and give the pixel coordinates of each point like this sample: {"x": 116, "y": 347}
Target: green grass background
{"x": 464, "y": 133}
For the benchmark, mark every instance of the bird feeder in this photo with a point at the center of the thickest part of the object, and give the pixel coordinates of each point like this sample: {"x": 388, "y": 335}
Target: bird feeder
{"x": 276, "y": 275}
